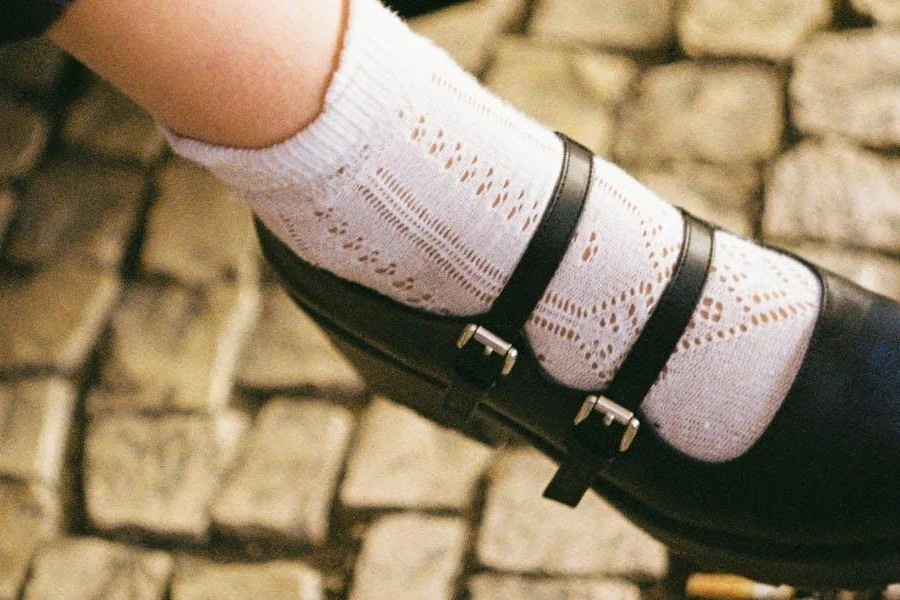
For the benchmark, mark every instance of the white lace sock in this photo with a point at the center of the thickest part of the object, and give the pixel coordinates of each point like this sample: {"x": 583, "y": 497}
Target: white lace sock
{"x": 417, "y": 183}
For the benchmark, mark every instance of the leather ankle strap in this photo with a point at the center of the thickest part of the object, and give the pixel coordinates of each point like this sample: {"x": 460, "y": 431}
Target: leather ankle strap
{"x": 487, "y": 346}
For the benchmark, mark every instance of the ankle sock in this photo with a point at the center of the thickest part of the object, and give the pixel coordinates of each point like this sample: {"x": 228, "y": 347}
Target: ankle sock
{"x": 419, "y": 184}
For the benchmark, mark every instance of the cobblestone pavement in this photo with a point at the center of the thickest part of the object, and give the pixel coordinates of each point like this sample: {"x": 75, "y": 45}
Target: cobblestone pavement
{"x": 172, "y": 427}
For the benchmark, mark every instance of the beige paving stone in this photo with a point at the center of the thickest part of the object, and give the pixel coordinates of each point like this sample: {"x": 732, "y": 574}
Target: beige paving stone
{"x": 504, "y": 587}
{"x": 29, "y": 516}
{"x": 883, "y": 11}
{"x": 409, "y": 556}
{"x": 77, "y": 208}
{"x": 157, "y": 475}
{"x": 174, "y": 348}
{"x": 103, "y": 121}
{"x": 522, "y": 532}
{"x": 24, "y": 131}
{"x": 198, "y": 231}
{"x": 53, "y": 319}
{"x": 78, "y": 568}
{"x": 627, "y": 24}
{"x": 767, "y": 29}
{"x": 574, "y": 91}
{"x": 468, "y": 31}
{"x": 282, "y": 580}
{"x": 846, "y": 84}
{"x": 7, "y": 207}
{"x": 402, "y": 460}
{"x": 716, "y": 113}
{"x": 34, "y": 65}
{"x": 723, "y": 195}
{"x": 286, "y": 474}
{"x": 35, "y": 419}
{"x": 514, "y": 11}
{"x": 871, "y": 270}
{"x": 287, "y": 351}
{"x": 836, "y": 192}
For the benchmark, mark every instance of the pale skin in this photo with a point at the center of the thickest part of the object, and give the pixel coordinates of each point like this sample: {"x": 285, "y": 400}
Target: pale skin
{"x": 228, "y": 72}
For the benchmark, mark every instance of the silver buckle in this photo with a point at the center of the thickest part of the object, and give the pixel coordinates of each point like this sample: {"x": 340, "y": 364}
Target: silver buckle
{"x": 492, "y": 344}
{"x": 611, "y": 412}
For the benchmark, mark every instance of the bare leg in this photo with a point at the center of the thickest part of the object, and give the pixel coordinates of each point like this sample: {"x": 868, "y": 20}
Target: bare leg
{"x": 227, "y": 72}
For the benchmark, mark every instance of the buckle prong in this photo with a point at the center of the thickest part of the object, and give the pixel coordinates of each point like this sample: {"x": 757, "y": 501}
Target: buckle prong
{"x": 492, "y": 344}
{"x": 611, "y": 412}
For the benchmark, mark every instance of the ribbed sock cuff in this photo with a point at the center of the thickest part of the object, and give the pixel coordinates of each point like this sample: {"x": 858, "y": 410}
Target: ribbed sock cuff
{"x": 357, "y": 100}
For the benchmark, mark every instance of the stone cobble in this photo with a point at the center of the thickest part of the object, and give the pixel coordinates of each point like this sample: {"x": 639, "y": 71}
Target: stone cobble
{"x": 836, "y": 192}
{"x": 286, "y": 474}
{"x": 156, "y": 475}
{"x": 196, "y": 580}
{"x": 589, "y": 85}
{"x": 287, "y": 352}
{"x": 105, "y": 123}
{"x": 766, "y": 29}
{"x": 35, "y": 418}
{"x": 624, "y": 24}
{"x": 172, "y": 348}
{"x": 73, "y": 207}
{"x": 173, "y": 427}
{"x": 504, "y": 587}
{"x": 715, "y": 113}
{"x": 34, "y": 66}
{"x": 24, "y": 130}
{"x": 724, "y": 195}
{"x": 30, "y": 515}
{"x": 469, "y": 31}
{"x": 224, "y": 249}
{"x": 51, "y": 320}
{"x": 78, "y": 568}
{"x": 525, "y": 533}
{"x": 402, "y": 461}
{"x": 846, "y": 84}
{"x": 410, "y": 556}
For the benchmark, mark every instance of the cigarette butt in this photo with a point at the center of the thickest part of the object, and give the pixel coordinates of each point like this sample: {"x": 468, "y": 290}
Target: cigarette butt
{"x": 713, "y": 586}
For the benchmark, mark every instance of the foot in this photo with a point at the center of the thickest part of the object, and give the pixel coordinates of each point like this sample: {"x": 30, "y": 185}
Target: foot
{"x": 417, "y": 183}
{"x": 763, "y": 430}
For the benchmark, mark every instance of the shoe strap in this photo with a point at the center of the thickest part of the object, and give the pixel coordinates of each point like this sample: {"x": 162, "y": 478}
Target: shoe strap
{"x": 594, "y": 441}
{"x": 487, "y": 346}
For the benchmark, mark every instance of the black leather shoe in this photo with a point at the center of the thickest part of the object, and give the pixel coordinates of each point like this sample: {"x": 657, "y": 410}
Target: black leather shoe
{"x": 815, "y": 502}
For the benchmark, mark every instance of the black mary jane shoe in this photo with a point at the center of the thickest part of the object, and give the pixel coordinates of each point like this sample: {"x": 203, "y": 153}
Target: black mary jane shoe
{"x": 815, "y": 502}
